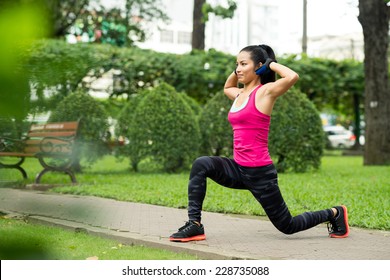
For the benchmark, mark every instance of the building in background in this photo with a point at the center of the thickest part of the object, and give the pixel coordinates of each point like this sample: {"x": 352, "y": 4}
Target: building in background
{"x": 338, "y": 47}
{"x": 247, "y": 27}
{"x": 175, "y": 36}
{"x": 255, "y": 22}
{"x": 277, "y": 23}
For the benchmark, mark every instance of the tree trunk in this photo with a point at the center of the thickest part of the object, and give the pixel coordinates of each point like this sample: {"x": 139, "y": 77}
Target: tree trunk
{"x": 374, "y": 18}
{"x": 357, "y": 130}
{"x": 198, "y": 26}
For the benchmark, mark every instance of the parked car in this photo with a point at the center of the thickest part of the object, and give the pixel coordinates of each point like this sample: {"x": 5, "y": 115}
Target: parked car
{"x": 339, "y": 137}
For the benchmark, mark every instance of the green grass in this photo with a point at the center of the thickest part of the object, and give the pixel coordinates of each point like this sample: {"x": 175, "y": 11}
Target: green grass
{"x": 341, "y": 180}
{"x": 20, "y": 240}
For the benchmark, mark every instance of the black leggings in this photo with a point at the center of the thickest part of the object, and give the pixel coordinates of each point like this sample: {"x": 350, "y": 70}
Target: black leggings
{"x": 262, "y": 182}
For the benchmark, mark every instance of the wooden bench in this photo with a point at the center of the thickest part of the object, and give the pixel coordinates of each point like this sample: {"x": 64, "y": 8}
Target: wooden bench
{"x": 51, "y": 143}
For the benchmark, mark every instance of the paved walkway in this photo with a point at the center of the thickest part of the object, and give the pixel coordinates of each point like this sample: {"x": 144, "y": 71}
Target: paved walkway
{"x": 228, "y": 236}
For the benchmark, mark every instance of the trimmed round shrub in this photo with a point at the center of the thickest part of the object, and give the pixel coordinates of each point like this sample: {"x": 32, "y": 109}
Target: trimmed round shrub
{"x": 194, "y": 105}
{"x": 296, "y": 139}
{"x": 163, "y": 127}
{"x": 125, "y": 122}
{"x": 217, "y": 135}
{"x": 93, "y": 131}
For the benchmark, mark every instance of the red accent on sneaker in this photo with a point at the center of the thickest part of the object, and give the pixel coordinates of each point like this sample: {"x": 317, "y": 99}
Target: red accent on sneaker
{"x": 192, "y": 238}
{"x": 346, "y": 225}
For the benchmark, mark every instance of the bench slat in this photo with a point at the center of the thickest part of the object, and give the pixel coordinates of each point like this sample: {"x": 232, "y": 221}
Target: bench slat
{"x": 54, "y": 141}
{"x": 32, "y": 149}
{"x": 56, "y": 149}
{"x": 55, "y": 126}
{"x": 16, "y": 154}
{"x": 42, "y": 134}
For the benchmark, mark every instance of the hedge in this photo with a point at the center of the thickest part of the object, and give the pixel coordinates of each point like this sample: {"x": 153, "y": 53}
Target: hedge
{"x": 162, "y": 126}
{"x": 93, "y": 134}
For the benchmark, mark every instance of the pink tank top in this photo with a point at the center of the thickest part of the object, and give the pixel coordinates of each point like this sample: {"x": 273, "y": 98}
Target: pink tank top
{"x": 250, "y": 133}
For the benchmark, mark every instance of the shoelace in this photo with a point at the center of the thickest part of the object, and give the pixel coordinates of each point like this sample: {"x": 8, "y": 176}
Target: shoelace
{"x": 333, "y": 227}
{"x": 330, "y": 227}
{"x": 186, "y": 225}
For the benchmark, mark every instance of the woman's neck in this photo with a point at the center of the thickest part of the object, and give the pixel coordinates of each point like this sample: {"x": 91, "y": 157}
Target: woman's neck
{"x": 248, "y": 88}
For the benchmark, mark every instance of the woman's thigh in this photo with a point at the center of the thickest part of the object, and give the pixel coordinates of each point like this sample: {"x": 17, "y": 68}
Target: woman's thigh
{"x": 224, "y": 171}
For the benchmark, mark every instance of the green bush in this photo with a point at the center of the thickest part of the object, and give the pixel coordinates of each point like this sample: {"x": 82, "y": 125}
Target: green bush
{"x": 162, "y": 127}
{"x": 8, "y": 127}
{"x": 93, "y": 132}
{"x": 194, "y": 105}
{"x": 142, "y": 69}
{"x": 61, "y": 67}
{"x": 8, "y": 130}
{"x": 217, "y": 136}
{"x": 296, "y": 137}
{"x": 126, "y": 121}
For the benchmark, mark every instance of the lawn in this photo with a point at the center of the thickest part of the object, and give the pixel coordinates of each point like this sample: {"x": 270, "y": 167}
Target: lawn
{"x": 341, "y": 180}
{"x": 20, "y": 240}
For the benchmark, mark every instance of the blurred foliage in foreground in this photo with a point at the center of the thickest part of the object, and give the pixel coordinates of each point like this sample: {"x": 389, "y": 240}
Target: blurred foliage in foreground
{"x": 20, "y": 25}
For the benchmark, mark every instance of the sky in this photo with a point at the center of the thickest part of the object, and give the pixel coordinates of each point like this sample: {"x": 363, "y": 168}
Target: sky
{"x": 324, "y": 17}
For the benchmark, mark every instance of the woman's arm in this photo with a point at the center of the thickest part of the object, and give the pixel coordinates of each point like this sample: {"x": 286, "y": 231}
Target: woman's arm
{"x": 287, "y": 79}
{"x": 231, "y": 89}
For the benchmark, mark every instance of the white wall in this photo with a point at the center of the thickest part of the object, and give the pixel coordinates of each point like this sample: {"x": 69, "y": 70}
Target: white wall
{"x": 277, "y": 23}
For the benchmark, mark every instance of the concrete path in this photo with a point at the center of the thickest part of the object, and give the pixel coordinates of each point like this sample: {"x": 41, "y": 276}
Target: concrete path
{"x": 228, "y": 236}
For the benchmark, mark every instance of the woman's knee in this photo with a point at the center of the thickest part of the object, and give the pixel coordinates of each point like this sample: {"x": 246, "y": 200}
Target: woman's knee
{"x": 286, "y": 229}
{"x": 201, "y": 163}
{"x": 290, "y": 225}
{"x": 285, "y": 225}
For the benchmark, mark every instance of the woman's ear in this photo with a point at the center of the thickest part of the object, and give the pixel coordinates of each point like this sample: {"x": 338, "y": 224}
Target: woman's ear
{"x": 258, "y": 66}
{"x": 261, "y": 70}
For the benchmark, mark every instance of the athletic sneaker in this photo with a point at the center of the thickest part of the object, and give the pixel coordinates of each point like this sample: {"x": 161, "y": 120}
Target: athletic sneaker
{"x": 338, "y": 226}
{"x": 191, "y": 231}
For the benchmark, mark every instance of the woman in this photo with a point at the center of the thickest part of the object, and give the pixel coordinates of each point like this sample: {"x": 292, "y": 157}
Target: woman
{"x": 252, "y": 168}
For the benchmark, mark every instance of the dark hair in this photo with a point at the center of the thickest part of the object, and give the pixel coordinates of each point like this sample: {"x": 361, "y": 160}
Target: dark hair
{"x": 260, "y": 53}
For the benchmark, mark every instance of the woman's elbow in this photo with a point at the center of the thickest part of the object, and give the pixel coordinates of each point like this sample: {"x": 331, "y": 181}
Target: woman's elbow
{"x": 227, "y": 90}
{"x": 294, "y": 78}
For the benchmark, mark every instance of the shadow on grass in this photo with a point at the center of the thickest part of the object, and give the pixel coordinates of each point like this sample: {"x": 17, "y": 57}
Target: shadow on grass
{"x": 35, "y": 249}
{"x": 17, "y": 245}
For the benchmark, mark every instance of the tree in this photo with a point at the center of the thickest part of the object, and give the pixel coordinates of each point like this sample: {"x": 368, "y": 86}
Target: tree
{"x": 374, "y": 17}
{"x": 200, "y": 17}
{"x": 64, "y": 14}
{"x": 198, "y": 25}
{"x": 138, "y": 12}
{"x": 113, "y": 26}
{"x": 60, "y": 68}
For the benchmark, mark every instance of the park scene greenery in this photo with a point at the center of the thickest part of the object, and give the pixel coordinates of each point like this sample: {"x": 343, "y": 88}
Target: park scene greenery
{"x": 140, "y": 72}
{"x": 163, "y": 111}
{"x": 22, "y": 240}
{"x": 340, "y": 180}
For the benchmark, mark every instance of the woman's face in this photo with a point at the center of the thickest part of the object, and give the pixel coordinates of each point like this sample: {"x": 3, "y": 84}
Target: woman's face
{"x": 245, "y": 68}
